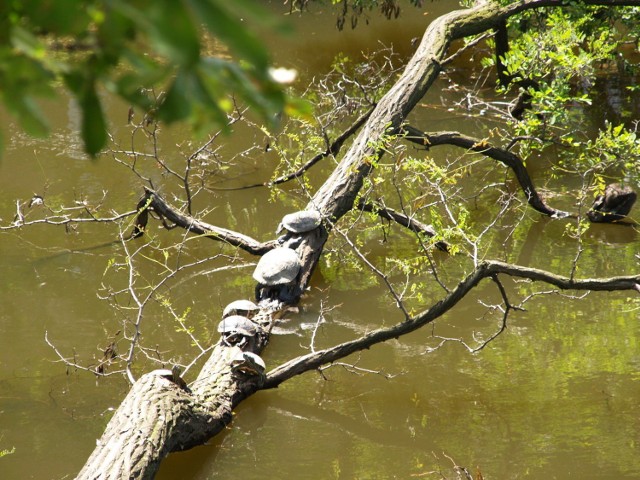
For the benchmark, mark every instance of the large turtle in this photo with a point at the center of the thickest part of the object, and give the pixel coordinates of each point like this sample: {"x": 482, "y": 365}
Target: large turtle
{"x": 237, "y": 330}
{"x": 276, "y": 273}
{"x": 613, "y": 205}
{"x": 300, "y": 222}
{"x": 296, "y": 225}
{"x": 245, "y": 308}
{"x": 248, "y": 364}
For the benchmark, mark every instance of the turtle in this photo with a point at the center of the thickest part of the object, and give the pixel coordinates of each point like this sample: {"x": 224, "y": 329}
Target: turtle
{"x": 613, "y": 205}
{"x": 173, "y": 375}
{"x": 237, "y": 330}
{"x": 300, "y": 221}
{"x": 276, "y": 272}
{"x": 245, "y": 308}
{"x": 248, "y": 363}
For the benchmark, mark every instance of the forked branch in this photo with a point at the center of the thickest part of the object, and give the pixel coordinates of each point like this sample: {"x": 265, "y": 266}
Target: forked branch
{"x": 152, "y": 201}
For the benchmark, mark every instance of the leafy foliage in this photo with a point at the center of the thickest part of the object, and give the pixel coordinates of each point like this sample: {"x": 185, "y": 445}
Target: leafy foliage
{"x": 127, "y": 46}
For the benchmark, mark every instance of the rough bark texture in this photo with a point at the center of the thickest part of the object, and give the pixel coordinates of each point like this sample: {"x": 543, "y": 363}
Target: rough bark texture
{"x": 156, "y": 417}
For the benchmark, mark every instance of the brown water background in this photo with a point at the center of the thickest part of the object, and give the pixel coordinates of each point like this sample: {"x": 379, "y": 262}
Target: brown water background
{"x": 554, "y": 397}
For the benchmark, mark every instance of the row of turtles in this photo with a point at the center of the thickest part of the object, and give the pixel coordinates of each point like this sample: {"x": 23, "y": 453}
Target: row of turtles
{"x": 278, "y": 269}
{"x": 237, "y": 329}
{"x": 275, "y": 273}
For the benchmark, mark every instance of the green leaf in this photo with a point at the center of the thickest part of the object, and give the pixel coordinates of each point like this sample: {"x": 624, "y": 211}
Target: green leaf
{"x": 169, "y": 27}
{"x": 173, "y": 32}
{"x": 231, "y": 31}
{"x": 176, "y": 103}
{"x": 28, "y": 113}
{"x": 94, "y": 128}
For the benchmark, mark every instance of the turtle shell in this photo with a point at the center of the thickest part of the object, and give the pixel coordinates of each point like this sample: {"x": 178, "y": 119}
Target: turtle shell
{"x": 248, "y": 362}
{"x": 277, "y": 267}
{"x": 240, "y": 306}
{"x": 237, "y": 324}
{"x": 300, "y": 222}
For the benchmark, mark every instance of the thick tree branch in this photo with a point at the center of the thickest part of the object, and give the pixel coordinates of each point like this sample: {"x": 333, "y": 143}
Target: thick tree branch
{"x": 207, "y": 409}
{"x": 153, "y": 201}
{"x": 511, "y": 160}
{"x": 488, "y": 269}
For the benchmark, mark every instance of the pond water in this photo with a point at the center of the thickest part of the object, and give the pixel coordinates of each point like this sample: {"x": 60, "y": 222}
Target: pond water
{"x": 554, "y": 397}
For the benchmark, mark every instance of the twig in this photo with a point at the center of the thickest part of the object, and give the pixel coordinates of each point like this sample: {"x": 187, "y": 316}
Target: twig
{"x": 384, "y": 278}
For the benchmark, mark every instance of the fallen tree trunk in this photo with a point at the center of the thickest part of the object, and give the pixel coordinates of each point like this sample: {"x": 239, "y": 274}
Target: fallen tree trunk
{"x": 157, "y": 417}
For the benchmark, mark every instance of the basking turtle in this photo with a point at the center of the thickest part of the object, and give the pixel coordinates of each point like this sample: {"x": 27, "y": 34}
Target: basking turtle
{"x": 245, "y": 308}
{"x": 237, "y": 330}
{"x": 613, "y": 205}
{"x": 248, "y": 363}
{"x": 300, "y": 222}
{"x": 172, "y": 375}
{"x": 276, "y": 273}
{"x": 296, "y": 224}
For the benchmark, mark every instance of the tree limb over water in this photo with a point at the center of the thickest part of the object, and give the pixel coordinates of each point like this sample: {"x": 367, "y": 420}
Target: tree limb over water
{"x": 153, "y": 201}
{"x": 488, "y": 269}
{"x": 511, "y": 160}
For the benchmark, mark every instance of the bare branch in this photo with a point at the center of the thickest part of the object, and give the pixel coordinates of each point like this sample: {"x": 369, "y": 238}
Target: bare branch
{"x": 406, "y": 221}
{"x": 165, "y": 211}
{"x": 487, "y": 269}
{"x": 509, "y": 159}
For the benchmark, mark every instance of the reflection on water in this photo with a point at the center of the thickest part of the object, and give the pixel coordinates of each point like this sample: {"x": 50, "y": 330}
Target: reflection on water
{"x": 554, "y": 397}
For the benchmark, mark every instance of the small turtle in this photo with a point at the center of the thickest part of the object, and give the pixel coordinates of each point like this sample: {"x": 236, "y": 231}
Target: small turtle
{"x": 237, "y": 330}
{"x": 300, "y": 222}
{"x": 248, "y": 363}
{"x": 172, "y": 375}
{"x": 245, "y": 308}
{"x": 613, "y": 205}
{"x": 276, "y": 272}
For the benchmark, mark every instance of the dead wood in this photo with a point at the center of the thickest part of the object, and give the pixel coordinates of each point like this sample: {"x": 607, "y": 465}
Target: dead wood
{"x": 154, "y": 202}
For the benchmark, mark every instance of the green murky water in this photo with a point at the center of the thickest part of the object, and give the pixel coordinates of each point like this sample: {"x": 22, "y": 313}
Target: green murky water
{"x": 554, "y": 397}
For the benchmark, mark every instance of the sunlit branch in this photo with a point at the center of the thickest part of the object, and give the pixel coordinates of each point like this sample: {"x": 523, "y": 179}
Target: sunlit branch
{"x": 65, "y": 220}
{"x": 486, "y": 269}
{"x": 158, "y": 205}
{"x": 405, "y": 220}
{"x": 375, "y": 270}
{"x": 466, "y": 47}
{"x": 76, "y": 365}
{"x": 332, "y": 150}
